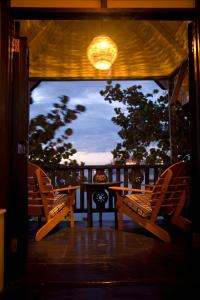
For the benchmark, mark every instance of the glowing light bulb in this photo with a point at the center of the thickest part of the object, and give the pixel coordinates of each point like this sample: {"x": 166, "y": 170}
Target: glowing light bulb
{"x": 102, "y": 52}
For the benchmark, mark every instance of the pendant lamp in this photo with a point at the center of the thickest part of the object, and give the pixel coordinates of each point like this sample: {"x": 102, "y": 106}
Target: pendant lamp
{"x": 102, "y": 52}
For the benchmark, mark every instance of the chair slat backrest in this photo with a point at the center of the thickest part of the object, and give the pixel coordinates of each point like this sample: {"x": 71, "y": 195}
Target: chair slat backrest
{"x": 158, "y": 193}
{"x": 171, "y": 190}
{"x": 46, "y": 190}
{"x": 37, "y": 204}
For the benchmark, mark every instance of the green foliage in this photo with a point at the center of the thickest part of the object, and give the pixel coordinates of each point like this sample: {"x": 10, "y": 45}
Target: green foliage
{"x": 45, "y": 145}
{"x": 69, "y": 176}
{"x": 181, "y": 131}
{"x": 143, "y": 122}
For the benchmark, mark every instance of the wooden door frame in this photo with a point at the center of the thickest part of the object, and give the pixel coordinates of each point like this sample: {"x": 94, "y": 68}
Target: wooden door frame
{"x": 194, "y": 92}
{"x": 9, "y": 14}
{"x": 13, "y": 196}
{"x": 148, "y": 14}
{"x": 5, "y": 116}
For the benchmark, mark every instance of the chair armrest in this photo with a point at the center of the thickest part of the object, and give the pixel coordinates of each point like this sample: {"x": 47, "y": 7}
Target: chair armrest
{"x": 117, "y": 188}
{"x": 68, "y": 188}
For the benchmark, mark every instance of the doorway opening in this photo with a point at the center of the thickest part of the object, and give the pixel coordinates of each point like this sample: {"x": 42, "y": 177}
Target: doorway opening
{"x": 73, "y": 68}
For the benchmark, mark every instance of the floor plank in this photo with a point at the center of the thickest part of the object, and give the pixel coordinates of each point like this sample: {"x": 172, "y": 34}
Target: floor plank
{"x": 103, "y": 262}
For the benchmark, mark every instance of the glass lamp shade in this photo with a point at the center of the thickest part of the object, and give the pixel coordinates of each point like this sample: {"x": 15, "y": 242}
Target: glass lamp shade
{"x": 102, "y": 52}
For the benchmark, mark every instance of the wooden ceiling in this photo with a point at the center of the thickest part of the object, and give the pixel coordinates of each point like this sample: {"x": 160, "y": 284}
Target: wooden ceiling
{"x": 146, "y": 49}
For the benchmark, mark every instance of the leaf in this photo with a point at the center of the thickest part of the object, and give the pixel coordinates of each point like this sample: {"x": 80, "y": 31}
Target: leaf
{"x": 43, "y": 146}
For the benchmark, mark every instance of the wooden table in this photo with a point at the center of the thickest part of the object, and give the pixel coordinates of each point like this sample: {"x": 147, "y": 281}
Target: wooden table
{"x": 91, "y": 188}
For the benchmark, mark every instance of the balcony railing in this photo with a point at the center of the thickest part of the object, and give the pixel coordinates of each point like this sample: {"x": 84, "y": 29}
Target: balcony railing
{"x": 128, "y": 176}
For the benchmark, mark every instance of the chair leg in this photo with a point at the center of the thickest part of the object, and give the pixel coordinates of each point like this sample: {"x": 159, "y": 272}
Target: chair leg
{"x": 147, "y": 224}
{"x": 120, "y": 219}
{"x": 182, "y": 223}
{"x": 71, "y": 218}
{"x": 119, "y": 211}
{"x": 51, "y": 223}
{"x": 179, "y": 220}
{"x": 158, "y": 231}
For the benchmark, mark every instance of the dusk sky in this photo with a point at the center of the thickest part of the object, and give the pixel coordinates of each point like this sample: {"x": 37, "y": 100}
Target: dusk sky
{"x": 94, "y": 134}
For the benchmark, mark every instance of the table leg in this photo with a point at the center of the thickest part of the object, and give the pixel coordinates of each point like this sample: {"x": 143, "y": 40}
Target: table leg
{"x": 100, "y": 218}
{"x": 116, "y": 222}
{"x": 89, "y": 205}
{"x": 115, "y": 213}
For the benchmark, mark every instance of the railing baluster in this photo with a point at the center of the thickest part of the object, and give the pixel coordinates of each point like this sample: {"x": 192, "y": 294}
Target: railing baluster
{"x": 114, "y": 173}
{"x": 110, "y": 175}
{"x": 146, "y": 175}
{"x": 125, "y": 178}
{"x": 155, "y": 173}
{"x": 118, "y": 174}
{"x": 110, "y": 196}
{"x": 90, "y": 175}
{"x": 81, "y": 190}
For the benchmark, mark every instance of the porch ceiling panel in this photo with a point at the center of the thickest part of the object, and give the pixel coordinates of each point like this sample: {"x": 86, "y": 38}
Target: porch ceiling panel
{"x": 146, "y": 49}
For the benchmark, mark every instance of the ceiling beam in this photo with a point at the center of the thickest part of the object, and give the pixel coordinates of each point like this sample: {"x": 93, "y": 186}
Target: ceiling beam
{"x": 109, "y": 3}
{"x": 181, "y": 75}
{"x": 104, "y": 4}
{"x": 33, "y": 84}
{"x": 27, "y": 13}
{"x": 162, "y": 83}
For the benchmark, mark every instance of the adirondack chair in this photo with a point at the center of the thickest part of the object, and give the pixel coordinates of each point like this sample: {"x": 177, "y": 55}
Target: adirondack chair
{"x": 166, "y": 198}
{"x": 47, "y": 203}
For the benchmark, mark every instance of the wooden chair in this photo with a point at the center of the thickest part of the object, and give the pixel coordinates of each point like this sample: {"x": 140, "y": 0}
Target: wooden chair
{"x": 52, "y": 205}
{"x": 166, "y": 198}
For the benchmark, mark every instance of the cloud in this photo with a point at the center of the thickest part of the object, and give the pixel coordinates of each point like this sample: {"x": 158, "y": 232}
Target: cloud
{"x": 93, "y": 158}
{"x": 95, "y": 135}
{"x": 97, "y": 138}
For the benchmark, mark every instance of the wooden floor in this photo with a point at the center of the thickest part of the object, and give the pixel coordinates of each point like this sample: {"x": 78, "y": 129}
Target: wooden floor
{"x": 103, "y": 263}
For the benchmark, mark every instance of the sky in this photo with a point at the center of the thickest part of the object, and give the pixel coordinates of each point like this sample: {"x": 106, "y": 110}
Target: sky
{"x": 94, "y": 134}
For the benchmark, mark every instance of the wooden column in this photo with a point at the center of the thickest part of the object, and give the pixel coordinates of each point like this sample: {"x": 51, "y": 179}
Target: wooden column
{"x": 5, "y": 107}
{"x": 194, "y": 83}
{"x": 6, "y": 123}
{"x": 19, "y": 155}
{"x": 172, "y": 122}
{"x": 13, "y": 137}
